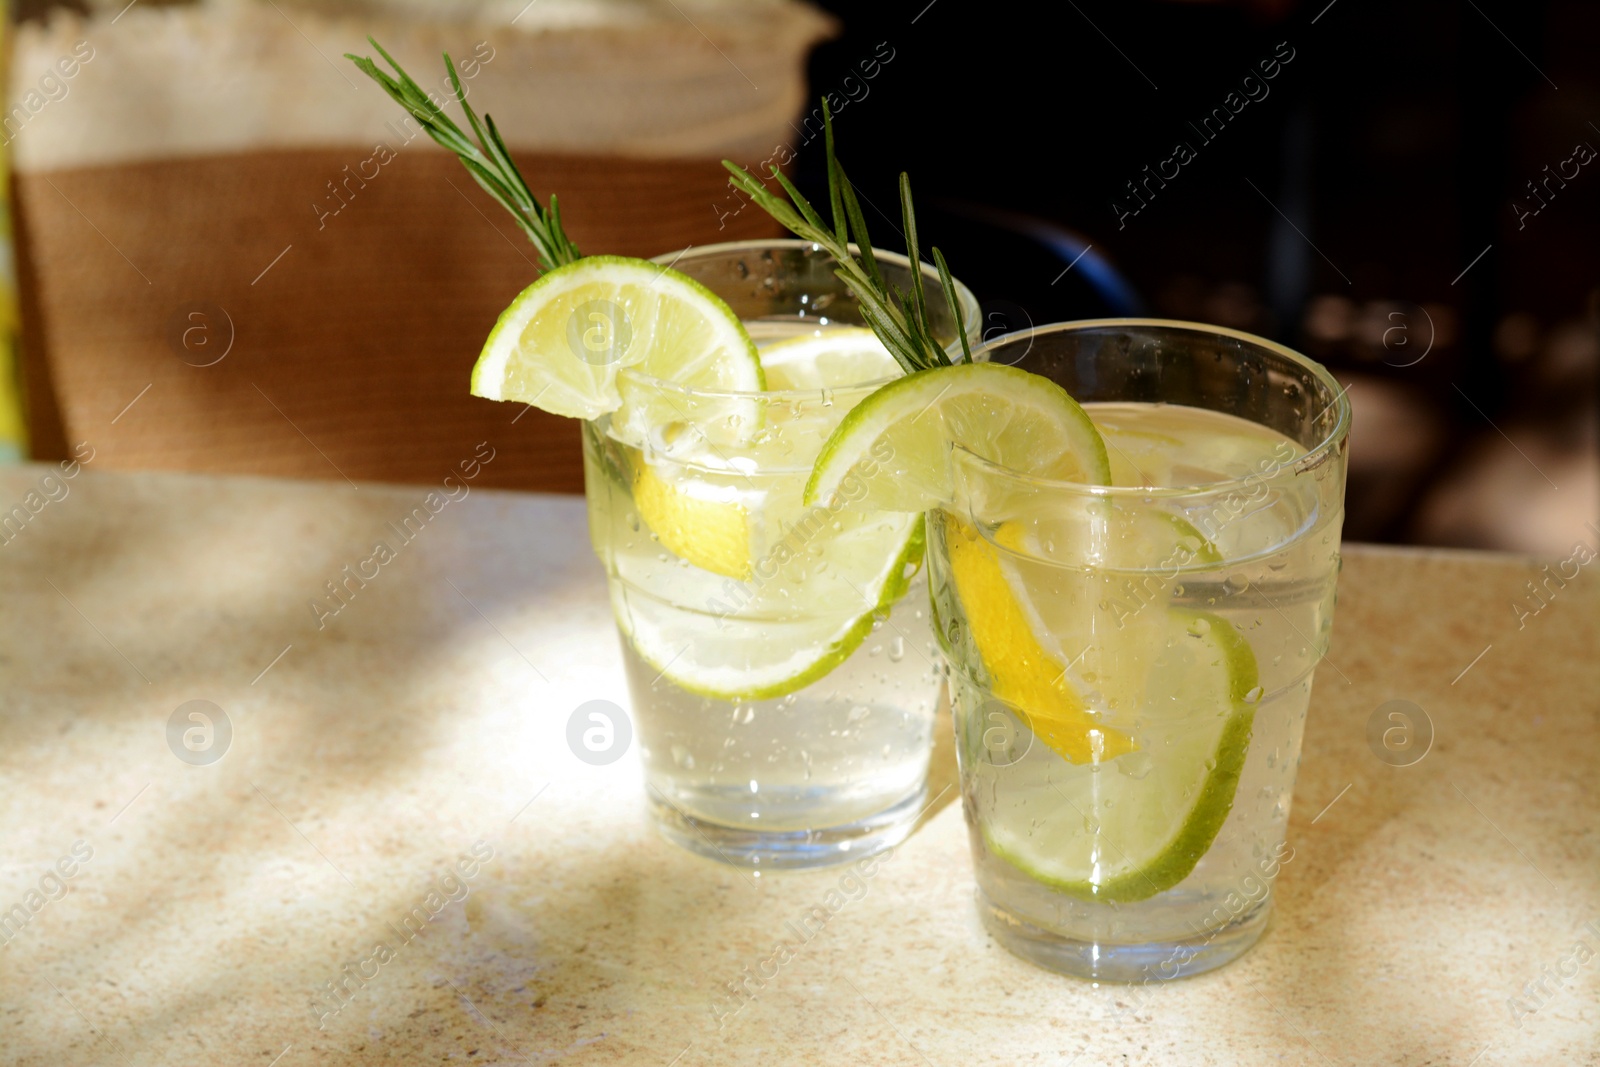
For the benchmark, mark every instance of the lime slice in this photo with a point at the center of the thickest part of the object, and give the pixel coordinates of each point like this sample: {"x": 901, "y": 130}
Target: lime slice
{"x": 1134, "y": 827}
{"x": 898, "y": 440}
{"x": 562, "y": 341}
{"x": 809, "y": 618}
{"x": 828, "y": 359}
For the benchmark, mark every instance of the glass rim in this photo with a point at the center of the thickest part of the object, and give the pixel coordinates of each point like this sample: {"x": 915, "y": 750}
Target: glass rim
{"x": 1314, "y": 457}
{"x": 970, "y": 310}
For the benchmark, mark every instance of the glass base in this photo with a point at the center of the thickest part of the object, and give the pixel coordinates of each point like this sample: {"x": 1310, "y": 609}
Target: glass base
{"x": 786, "y": 850}
{"x": 1153, "y": 961}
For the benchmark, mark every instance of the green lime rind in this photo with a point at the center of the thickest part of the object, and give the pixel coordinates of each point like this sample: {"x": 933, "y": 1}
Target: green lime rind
{"x": 897, "y": 580}
{"x": 900, "y": 437}
{"x": 555, "y": 379}
{"x": 1173, "y": 861}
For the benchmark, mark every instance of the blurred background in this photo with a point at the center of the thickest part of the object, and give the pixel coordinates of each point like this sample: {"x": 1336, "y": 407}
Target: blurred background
{"x": 232, "y": 257}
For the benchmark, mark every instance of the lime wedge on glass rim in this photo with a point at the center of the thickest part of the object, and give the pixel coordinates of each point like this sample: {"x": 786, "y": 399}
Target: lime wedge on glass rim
{"x": 561, "y": 342}
{"x": 1122, "y": 815}
{"x": 1002, "y": 413}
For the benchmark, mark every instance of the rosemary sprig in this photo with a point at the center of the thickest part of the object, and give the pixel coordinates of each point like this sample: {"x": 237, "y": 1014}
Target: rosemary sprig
{"x": 487, "y": 161}
{"x": 900, "y": 319}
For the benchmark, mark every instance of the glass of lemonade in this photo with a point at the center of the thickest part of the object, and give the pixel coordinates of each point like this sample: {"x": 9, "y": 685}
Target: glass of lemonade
{"x": 1131, "y": 664}
{"x": 783, "y": 674}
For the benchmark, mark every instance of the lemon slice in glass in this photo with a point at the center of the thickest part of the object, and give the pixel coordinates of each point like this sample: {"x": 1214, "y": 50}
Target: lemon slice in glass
{"x": 828, "y": 359}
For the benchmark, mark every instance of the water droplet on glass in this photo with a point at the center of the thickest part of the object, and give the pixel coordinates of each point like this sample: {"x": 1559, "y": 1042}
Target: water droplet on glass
{"x": 1199, "y": 627}
{"x": 682, "y": 758}
{"x": 1136, "y": 765}
{"x": 743, "y": 714}
{"x": 1254, "y": 695}
{"x": 897, "y": 649}
{"x": 857, "y": 713}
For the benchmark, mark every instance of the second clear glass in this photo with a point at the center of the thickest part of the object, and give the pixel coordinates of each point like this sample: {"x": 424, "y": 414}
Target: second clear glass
{"x": 1131, "y": 665}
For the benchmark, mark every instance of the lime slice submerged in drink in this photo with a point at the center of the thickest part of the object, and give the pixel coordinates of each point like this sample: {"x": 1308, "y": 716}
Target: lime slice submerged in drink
{"x": 740, "y": 545}
{"x": 1133, "y": 827}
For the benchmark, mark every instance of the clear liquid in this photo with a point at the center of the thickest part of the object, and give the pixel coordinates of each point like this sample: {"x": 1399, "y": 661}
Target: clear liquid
{"x": 1100, "y": 590}
{"x": 851, "y": 743}
{"x": 838, "y": 751}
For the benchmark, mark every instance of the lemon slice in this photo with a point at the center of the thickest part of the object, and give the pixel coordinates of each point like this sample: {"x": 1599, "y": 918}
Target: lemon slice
{"x": 561, "y": 343}
{"x": 827, "y": 359}
{"x": 1129, "y": 829}
{"x": 900, "y": 437}
{"x": 1022, "y": 673}
{"x": 701, "y": 523}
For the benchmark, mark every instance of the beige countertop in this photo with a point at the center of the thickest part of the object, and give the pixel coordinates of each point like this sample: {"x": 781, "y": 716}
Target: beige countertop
{"x": 208, "y": 906}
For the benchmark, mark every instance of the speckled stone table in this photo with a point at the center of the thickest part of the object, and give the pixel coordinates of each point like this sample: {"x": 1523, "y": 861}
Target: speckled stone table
{"x": 386, "y": 802}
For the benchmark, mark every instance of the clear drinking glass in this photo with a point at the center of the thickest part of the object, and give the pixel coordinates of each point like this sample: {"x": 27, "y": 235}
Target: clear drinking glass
{"x": 1131, "y": 665}
{"x": 783, "y": 673}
